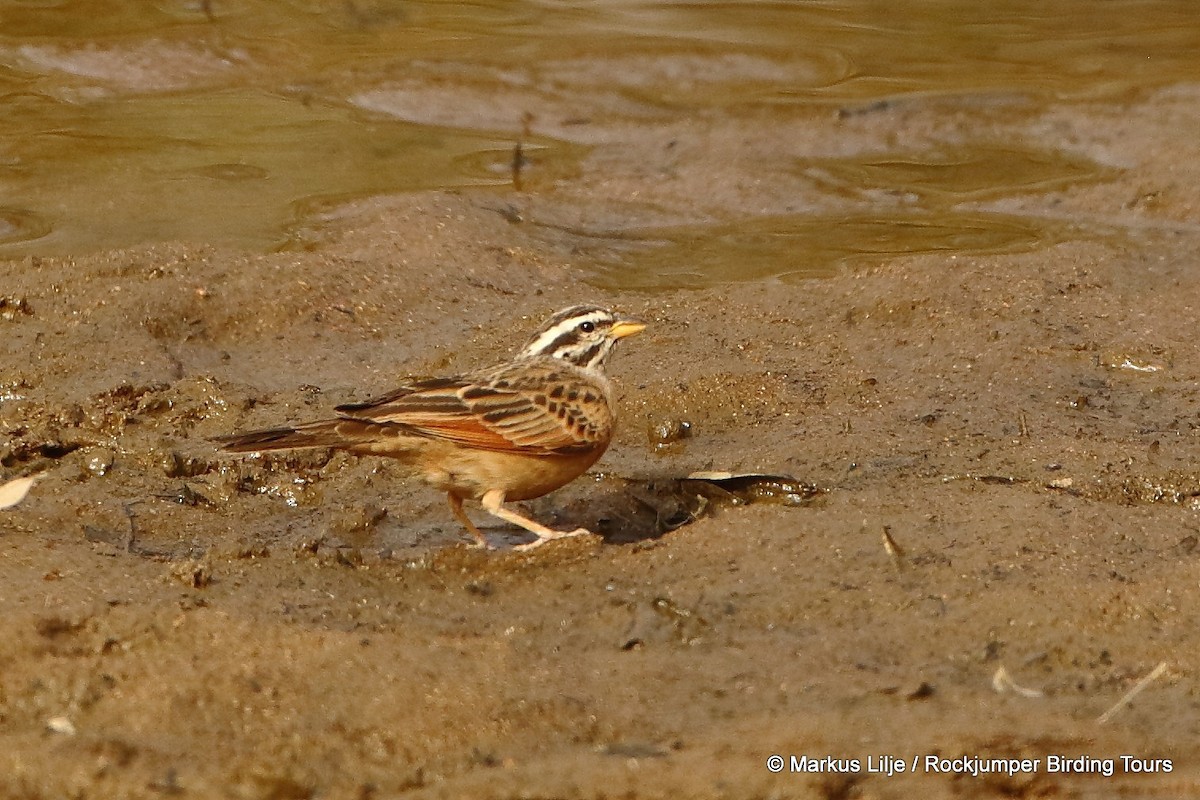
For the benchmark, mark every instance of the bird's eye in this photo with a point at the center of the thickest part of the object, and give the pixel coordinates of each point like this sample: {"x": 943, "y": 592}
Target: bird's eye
{"x": 587, "y": 327}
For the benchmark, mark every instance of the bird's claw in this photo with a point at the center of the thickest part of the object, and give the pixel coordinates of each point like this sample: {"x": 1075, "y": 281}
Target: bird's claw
{"x": 541, "y": 540}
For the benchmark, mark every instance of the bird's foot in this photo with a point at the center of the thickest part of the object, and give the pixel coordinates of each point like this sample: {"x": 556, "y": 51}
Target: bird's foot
{"x": 550, "y": 536}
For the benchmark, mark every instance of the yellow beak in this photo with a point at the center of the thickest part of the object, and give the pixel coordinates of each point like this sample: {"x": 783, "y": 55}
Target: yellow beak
{"x": 626, "y": 327}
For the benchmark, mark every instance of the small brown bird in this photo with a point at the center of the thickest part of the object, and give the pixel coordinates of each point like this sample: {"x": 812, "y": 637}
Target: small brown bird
{"x": 512, "y": 432}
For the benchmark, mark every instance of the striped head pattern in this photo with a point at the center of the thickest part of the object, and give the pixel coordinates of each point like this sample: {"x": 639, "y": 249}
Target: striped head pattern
{"x": 581, "y": 335}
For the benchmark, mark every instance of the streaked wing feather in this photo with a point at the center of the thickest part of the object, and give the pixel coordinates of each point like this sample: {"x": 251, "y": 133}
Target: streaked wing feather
{"x": 465, "y": 411}
{"x": 429, "y": 387}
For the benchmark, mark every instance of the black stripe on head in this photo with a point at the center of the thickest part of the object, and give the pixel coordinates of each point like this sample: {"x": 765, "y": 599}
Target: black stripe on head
{"x": 592, "y": 354}
{"x": 567, "y": 339}
{"x": 561, "y": 332}
{"x": 574, "y": 312}
{"x": 580, "y": 335}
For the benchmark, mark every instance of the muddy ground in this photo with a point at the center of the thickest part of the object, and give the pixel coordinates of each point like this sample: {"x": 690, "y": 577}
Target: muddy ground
{"x": 1022, "y": 425}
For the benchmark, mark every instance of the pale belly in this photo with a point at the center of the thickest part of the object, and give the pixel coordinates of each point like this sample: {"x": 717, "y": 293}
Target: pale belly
{"x": 471, "y": 473}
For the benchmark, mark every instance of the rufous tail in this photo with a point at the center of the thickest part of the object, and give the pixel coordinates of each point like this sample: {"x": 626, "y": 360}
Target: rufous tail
{"x": 329, "y": 433}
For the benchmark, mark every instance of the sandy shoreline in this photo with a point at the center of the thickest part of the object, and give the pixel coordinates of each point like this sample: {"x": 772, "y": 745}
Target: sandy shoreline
{"x": 1021, "y": 424}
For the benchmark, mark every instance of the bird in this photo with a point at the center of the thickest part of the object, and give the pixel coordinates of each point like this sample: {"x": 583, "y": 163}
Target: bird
{"x": 511, "y": 432}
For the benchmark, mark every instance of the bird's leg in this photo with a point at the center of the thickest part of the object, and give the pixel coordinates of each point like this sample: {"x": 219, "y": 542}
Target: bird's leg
{"x": 493, "y": 503}
{"x": 460, "y": 515}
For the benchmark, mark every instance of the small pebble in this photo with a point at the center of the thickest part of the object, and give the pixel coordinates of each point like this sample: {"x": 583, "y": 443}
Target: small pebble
{"x": 668, "y": 432}
{"x": 61, "y": 725}
{"x": 100, "y": 462}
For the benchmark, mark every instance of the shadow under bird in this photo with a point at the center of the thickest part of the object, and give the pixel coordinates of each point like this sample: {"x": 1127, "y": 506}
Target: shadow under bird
{"x": 514, "y": 431}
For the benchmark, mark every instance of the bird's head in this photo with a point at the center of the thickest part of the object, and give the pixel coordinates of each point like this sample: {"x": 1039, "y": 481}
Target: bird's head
{"x": 581, "y": 335}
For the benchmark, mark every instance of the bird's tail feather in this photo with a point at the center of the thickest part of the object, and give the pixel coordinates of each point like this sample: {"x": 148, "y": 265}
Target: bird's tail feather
{"x": 328, "y": 433}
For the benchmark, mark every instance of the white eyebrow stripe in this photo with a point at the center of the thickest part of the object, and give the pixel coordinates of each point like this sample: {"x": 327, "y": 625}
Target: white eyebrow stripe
{"x": 547, "y": 338}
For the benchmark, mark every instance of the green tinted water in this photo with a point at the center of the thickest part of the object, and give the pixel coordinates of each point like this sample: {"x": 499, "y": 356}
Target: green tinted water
{"x": 224, "y": 122}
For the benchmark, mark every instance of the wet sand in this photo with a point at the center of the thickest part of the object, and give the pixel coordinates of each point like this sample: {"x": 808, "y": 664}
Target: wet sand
{"x": 1019, "y": 424}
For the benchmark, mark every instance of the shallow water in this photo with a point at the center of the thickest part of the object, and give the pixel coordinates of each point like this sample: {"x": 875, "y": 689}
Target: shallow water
{"x": 951, "y": 175}
{"x": 225, "y": 165}
{"x": 228, "y": 123}
{"x": 803, "y": 246}
{"x": 915, "y": 197}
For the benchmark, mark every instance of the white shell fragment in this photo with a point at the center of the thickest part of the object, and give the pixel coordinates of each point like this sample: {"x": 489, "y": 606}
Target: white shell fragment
{"x": 61, "y": 725}
{"x": 1002, "y": 682}
{"x": 14, "y": 491}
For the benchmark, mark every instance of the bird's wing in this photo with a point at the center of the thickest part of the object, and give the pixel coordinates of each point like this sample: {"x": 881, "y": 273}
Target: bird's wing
{"x": 491, "y": 412}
